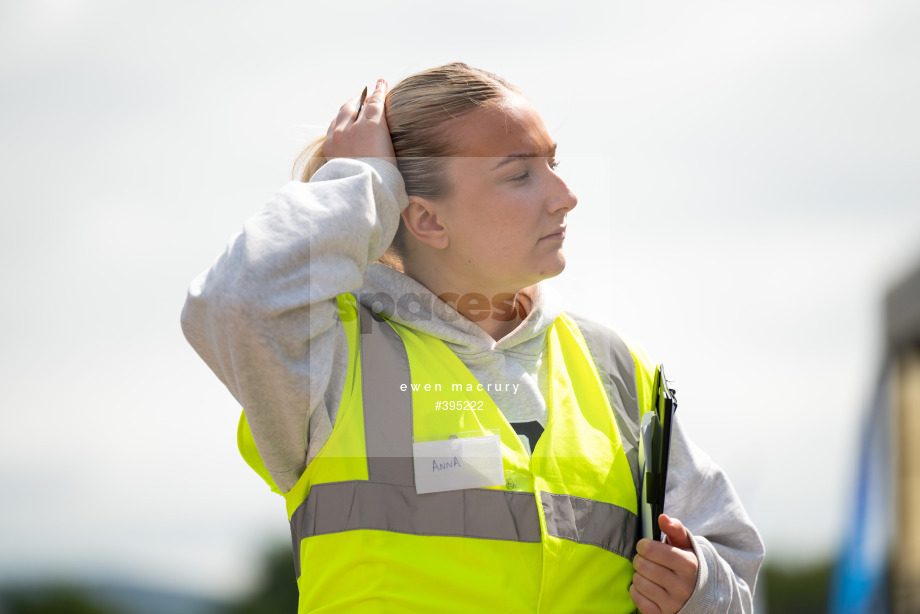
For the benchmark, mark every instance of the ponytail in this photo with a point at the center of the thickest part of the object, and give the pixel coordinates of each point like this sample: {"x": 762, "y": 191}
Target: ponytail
{"x": 309, "y": 160}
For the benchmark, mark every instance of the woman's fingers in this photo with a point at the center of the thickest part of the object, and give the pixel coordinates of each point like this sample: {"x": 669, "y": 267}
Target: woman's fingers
{"x": 345, "y": 116}
{"x": 373, "y": 105}
{"x": 665, "y": 574}
{"x": 680, "y": 561}
{"x": 645, "y": 605}
{"x": 659, "y": 585}
{"x": 357, "y": 135}
{"x": 660, "y": 575}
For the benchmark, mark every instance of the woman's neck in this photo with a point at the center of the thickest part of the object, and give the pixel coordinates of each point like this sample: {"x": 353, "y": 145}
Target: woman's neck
{"x": 497, "y": 312}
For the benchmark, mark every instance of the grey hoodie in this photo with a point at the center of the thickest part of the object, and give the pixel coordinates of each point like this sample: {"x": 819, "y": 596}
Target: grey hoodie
{"x": 264, "y": 319}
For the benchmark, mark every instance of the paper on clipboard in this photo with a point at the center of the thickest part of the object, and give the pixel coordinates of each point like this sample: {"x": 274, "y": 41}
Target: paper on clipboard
{"x": 648, "y": 433}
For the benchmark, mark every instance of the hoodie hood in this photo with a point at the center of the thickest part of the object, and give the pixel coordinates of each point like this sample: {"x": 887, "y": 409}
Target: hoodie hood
{"x": 404, "y": 300}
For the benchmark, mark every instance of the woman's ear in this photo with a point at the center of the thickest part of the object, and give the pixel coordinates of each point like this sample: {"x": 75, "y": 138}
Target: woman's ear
{"x": 422, "y": 220}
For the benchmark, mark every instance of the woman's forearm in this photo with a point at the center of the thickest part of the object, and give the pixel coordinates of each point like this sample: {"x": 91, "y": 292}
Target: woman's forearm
{"x": 263, "y": 316}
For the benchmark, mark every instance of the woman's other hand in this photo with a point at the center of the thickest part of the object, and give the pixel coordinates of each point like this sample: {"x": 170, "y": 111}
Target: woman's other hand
{"x": 665, "y": 572}
{"x": 364, "y": 136}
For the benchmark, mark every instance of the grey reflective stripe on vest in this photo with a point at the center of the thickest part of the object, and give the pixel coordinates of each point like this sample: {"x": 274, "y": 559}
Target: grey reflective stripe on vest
{"x": 592, "y": 522}
{"x": 486, "y": 514}
{"x": 387, "y": 408}
{"x": 387, "y": 501}
{"x": 617, "y": 371}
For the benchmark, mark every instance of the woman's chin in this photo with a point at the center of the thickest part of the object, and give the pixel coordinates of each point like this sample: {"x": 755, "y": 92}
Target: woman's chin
{"x": 553, "y": 267}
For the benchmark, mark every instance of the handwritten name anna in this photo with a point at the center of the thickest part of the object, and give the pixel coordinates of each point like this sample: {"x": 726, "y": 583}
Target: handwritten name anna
{"x": 436, "y": 466}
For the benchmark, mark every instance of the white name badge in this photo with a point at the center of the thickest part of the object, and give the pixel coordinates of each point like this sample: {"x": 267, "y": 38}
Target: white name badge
{"x": 458, "y": 462}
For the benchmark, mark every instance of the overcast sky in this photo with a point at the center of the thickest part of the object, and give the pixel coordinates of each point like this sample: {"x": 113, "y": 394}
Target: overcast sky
{"x": 747, "y": 176}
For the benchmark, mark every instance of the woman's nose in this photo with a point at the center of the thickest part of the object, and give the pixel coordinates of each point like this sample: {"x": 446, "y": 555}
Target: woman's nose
{"x": 563, "y": 197}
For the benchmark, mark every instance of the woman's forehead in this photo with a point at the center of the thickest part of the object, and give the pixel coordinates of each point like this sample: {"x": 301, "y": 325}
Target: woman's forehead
{"x": 512, "y": 128}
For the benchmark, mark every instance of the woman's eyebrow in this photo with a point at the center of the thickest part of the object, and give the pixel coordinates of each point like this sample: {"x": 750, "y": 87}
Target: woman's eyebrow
{"x": 549, "y": 153}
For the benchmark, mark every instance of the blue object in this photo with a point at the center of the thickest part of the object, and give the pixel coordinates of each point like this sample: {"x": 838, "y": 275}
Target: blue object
{"x": 860, "y": 582}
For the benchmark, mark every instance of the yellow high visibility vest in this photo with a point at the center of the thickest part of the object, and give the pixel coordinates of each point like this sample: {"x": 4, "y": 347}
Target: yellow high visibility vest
{"x": 558, "y": 536}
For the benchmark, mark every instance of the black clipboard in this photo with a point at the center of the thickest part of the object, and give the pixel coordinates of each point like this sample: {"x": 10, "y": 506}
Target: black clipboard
{"x": 654, "y": 452}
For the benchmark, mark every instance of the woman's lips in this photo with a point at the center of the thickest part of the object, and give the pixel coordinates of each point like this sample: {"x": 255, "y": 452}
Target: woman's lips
{"x": 559, "y": 235}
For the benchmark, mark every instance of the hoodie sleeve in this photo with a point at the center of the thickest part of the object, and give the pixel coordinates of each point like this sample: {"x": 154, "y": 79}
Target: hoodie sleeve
{"x": 264, "y": 315}
{"x": 727, "y": 545}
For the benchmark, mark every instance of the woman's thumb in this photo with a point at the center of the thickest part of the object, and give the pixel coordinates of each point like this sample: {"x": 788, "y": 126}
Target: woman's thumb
{"x": 677, "y": 534}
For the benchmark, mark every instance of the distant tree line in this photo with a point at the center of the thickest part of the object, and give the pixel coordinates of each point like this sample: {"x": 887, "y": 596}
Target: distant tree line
{"x": 786, "y": 590}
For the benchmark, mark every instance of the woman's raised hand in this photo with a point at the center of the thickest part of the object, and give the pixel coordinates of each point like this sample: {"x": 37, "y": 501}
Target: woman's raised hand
{"x": 364, "y": 134}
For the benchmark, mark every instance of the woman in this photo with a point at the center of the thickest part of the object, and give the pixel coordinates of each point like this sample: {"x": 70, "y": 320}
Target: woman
{"x": 446, "y": 438}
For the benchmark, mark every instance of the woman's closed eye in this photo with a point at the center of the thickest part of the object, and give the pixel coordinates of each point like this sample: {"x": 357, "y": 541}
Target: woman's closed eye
{"x": 552, "y": 163}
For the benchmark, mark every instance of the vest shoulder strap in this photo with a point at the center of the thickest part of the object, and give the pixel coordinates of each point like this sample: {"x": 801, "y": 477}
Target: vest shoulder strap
{"x": 387, "y": 404}
{"x": 617, "y": 370}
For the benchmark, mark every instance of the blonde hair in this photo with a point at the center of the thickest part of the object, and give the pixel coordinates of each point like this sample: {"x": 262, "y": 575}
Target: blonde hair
{"x": 416, "y": 110}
